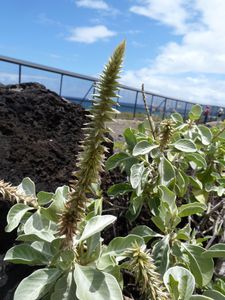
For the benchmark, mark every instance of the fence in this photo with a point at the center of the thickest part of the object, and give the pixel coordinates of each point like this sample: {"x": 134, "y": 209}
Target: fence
{"x": 79, "y": 88}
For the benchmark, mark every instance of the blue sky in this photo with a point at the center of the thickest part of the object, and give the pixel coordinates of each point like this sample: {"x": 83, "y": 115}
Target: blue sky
{"x": 176, "y": 47}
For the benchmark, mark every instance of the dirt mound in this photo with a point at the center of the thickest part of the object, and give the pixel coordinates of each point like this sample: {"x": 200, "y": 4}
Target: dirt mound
{"x": 39, "y": 135}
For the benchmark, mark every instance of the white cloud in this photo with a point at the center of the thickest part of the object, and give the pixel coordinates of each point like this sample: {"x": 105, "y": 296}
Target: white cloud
{"x": 169, "y": 12}
{"x": 93, "y": 4}
{"x": 194, "y": 68}
{"x": 90, "y": 35}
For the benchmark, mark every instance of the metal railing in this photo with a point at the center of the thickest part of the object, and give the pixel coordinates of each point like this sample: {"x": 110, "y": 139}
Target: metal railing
{"x": 79, "y": 88}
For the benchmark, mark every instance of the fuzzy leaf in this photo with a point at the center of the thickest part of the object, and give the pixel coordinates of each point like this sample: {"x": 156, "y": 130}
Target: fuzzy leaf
{"x": 195, "y": 112}
{"x": 37, "y": 285}
{"x": 215, "y": 295}
{"x": 96, "y": 224}
{"x": 166, "y": 172}
{"x": 65, "y": 288}
{"x": 184, "y": 279}
{"x": 185, "y": 145}
{"x": 119, "y": 245}
{"x": 15, "y": 215}
{"x": 191, "y": 209}
{"x": 119, "y": 189}
{"x": 94, "y": 284}
{"x": 161, "y": 252}
{"x": 25, "y": 254}
{"x": 145, "y": 232}
{"x": 143, "y": 147}
{"x": 217, "y": 250}
{"x": 136, "y": 174}
{"x": 27, "y": 187}
{"x": 115, "y": 160}
{"x": 205, "y": 134}
{"x": 202, "y": 268}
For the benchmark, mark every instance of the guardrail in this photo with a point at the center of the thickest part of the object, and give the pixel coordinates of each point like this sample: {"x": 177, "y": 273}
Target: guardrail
{"x": 79, "y": 88}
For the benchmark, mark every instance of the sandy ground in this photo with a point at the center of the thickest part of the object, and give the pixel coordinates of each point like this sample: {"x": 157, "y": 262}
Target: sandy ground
{"x": 120, "y": 125}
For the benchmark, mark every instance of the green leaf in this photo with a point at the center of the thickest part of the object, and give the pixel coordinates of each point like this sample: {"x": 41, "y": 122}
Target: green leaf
{"x": 129, "y": 135}
{"x": 191, "y": 209}
{"x": 136, "y": 174}
{"x": 119, "y": 245}
{"x": 166, "y": 172}
{"x": 115, "y": 160}
{"x": 37, "y": 284}
{"x": 217, "y": 250}
{"x": 96, "y": 224}
{"x": 38, "y": 225}
{"x": 143, "y": 147}
{"x": 176, "y": 117}
{"x": 195, "y": 112}
{"x": 196, "y": 160}
{"x": 25, "y": 254}
{"x": 119, "y": 189}
{"x": 200, "y": 297}
{"x": 15, "y": 215}
{"x": 185, "y": 145}
{"x": 168, "y": 197}
{"x": 44, "y": 198}
{"x": 136, "y": 203}
{"x": 202, "y": 268}
{"x": 94, "y": 284}
{"x": 215, "y": 295}
{"x": 58, "y": 204}
{"x": 205, "y": 134}
{"x": 27, "y": 187}
{"x": 185, "y": 282}
{"x": 161, "y": 252}
{"x": 145, "y": 232}
{"x": 65, "y": 288}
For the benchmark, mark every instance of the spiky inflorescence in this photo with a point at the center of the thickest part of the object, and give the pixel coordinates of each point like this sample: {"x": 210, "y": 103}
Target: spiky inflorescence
{"x": 90, "y": 159}
{"x": 166, "y": 131}
{"x": 144, "y": 270}
{"x": 10, "y": 192}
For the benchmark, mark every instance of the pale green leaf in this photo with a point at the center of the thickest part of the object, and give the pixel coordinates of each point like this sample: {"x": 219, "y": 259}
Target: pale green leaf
{"x": 191, "y": 209}
{"x": 27, "y": 187}
{"x": 65, "y": 288}
{"x": 195, "y": 112}
{"x": 93, "y": 284}
{"x": 25, "y": 254}
{"x": 166, "y": 172}
{"x": 37, "y": 285}
{"x": 143, "y": 147}
{"x": 136, "y": 174}
{"x": 96, "y": 224}
{"x": 15, "y": 215}
{"x": 185, "y": 145}
{"x": 185, "y": 282}
{"x": 217, "y": 250}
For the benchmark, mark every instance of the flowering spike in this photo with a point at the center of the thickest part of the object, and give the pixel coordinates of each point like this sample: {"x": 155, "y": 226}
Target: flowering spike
{"x": 92, "y": 154}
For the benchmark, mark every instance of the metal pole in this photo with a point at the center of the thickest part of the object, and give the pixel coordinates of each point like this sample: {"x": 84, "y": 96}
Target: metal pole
{"x": 164, "y": 109}
{"x": 176, "y": 105}
{"x": 150, "y": 109}
{"x": 135, "y": 105}
{"x": 20, "y": 69}
{"x": 185, "y": 110}
{"x": 60, "y": 87}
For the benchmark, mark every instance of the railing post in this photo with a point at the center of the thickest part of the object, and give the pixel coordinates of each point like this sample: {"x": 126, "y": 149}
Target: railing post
{"x": 150, "y": 108}
{"x": 135, "y": 105}
{"x": 61, "y": 83}
{"x": 20, "y": 70}
{"x": 164, "y": 109}
{"x": 176, "y": 105}
{"x": 185, "y": 110}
